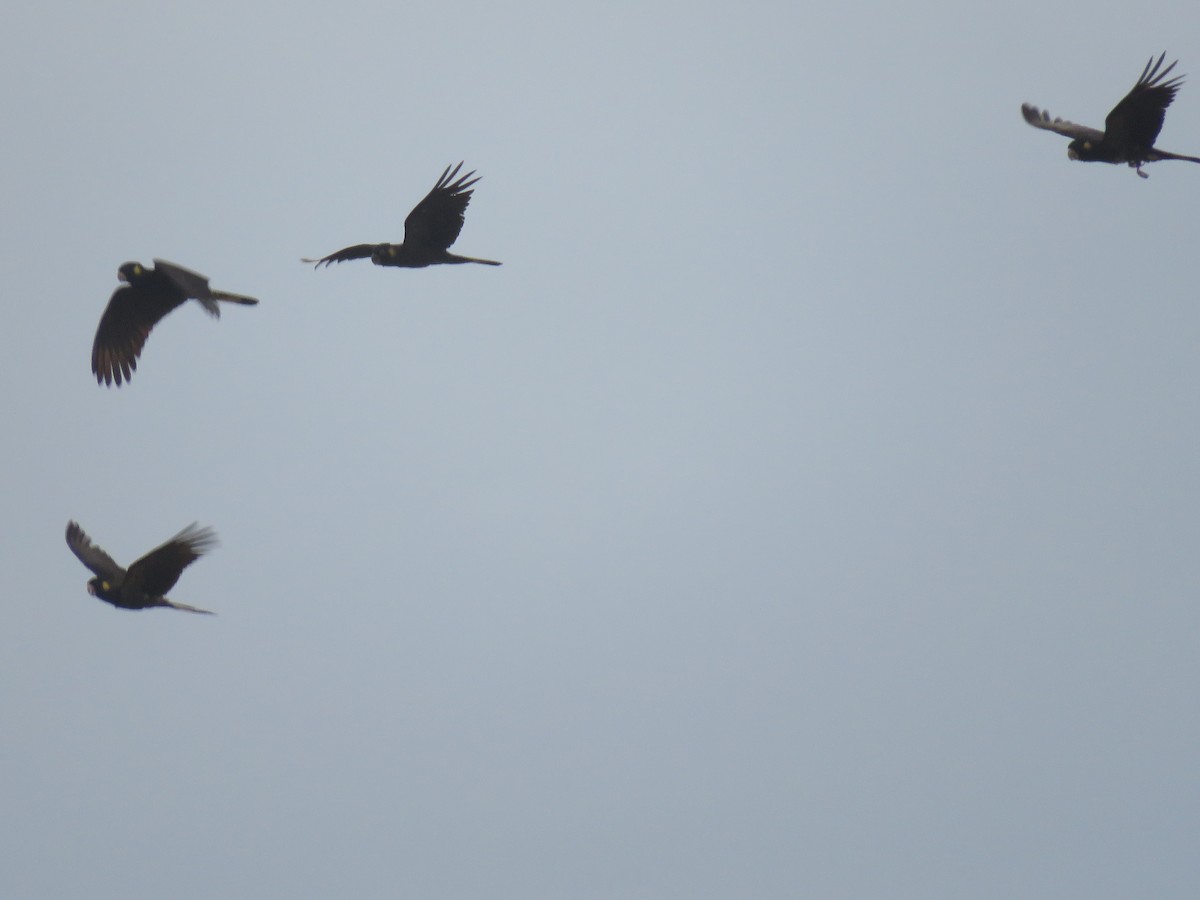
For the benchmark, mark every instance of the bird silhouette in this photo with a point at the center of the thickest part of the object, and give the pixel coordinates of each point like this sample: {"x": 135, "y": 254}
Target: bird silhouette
{"x": 432, "y": 226}
{"x": 144, "y": 583}
{"x": 133, "y": 310}
{"x": 1130, "y": 130}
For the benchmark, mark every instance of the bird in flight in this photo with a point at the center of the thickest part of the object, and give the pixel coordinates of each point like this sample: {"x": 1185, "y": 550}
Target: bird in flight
{"x": 1130, "y": 129}
{"x": 144, "y": 583}
{"x": 432, "y": 226}
{"x": 148, "y": 295}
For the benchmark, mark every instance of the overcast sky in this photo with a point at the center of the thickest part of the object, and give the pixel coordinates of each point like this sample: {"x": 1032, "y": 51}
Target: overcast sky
{"x": 806, "y": 508}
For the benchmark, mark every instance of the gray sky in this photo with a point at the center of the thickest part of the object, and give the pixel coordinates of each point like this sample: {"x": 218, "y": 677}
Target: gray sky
{"x": 807, "y": 507}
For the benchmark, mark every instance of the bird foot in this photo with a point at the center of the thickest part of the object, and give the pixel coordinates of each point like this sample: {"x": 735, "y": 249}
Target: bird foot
{"x": 1141, "y": 174}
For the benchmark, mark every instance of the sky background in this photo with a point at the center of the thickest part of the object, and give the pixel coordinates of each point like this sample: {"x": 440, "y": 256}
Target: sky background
{"x": 806, "y": 508}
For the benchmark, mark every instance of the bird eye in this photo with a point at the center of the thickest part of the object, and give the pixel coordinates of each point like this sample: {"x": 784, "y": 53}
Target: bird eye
{"x": 1087, "y": 145}
{"x": 104, "y": 584}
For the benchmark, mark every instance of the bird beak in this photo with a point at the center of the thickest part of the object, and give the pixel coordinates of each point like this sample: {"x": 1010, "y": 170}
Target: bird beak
{"x": 1071, "y": 154}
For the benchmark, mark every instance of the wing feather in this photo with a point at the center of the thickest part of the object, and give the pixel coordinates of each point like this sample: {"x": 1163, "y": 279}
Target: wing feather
{"x": 436, "y": 222}
{"x": 1134, "y": 123}
{"x": 358, "y": 251}
{"x": 157, "y": 571}
{"x": 1041, "y": 119}
{"x": 92, "y": 556}
{"x": 130, "y": 316}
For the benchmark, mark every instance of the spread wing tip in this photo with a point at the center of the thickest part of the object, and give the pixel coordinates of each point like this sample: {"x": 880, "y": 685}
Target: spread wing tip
{"x": 1033, "y": 115}
{"x": 199, "y": 538}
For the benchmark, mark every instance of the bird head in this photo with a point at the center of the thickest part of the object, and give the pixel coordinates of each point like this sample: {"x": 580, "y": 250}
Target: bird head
{"x": 1079, "y": 149}
{"x": 97, "y": 587}
{"x": 130, "y": 272}
{"x": 383, "y": 253}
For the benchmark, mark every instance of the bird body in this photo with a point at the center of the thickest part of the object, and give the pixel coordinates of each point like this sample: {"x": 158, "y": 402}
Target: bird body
{"x": 145, "y": 583}
{"x": 429, "y": 230}
{"x": 418, "y": 257}
{"x": 1130, "y": 129}
{"x": 134, "y": 310}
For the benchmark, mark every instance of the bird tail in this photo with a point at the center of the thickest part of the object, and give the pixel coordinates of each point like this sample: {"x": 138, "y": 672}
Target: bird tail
{"x": 234, "y": 298}
{"x": 1163, "y": 154}
{"x": 450, "y": 257}
{"x": 185, "y": 607}
{"x": 210, "y": 302}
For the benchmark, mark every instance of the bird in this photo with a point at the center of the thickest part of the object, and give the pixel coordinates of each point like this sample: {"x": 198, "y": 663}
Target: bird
{"x": 133, "y": 310}
{"x": 144, "y": 583}
{"x": 1129, "y": 130}
{"x": 432, "y": 226}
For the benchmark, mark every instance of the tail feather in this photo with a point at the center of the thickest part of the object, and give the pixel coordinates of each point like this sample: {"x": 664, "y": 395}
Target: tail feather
{"x": 466, "y": 259}
{"x": 1155, "y": 155}
{"x": 233, "y": 298}
{"x": 186, "y": 608}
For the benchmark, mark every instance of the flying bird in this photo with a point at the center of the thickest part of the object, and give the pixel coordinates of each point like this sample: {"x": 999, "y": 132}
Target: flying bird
{"x": 148, "y": 295}
{"x": 143, "y": 584}
{"x": 432, "y": 226}
{"x": 1130, "y": 129}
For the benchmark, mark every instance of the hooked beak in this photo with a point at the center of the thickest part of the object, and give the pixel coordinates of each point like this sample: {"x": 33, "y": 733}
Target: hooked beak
{"x": 1071, "y": 154}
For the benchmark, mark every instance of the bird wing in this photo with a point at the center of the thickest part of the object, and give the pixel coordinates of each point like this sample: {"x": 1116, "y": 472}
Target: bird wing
{"x": 436, "y": 221}
{"x": 191, "y": 283}
{"x": 131, "y": 314}
{"x": 1135, "y": 122}
{"x": 92, "y": 556}
{"x": 358, "y": 251}
{"x": 156, "y": 572}
{"x": 1041, "y": 119}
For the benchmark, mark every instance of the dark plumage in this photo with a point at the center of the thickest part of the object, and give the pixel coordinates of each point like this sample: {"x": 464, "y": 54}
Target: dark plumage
{"x": 1130, "y": 129}
{"x": 135, "y": 309}
{"x": 432, "y": 226}
{"x": 146, "y": 581}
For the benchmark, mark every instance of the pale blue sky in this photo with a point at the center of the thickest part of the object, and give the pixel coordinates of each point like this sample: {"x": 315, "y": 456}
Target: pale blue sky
{"x": 807, "y": 507}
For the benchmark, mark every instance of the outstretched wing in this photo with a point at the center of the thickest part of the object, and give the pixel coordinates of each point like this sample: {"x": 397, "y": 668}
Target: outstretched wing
{"x": 358, "y": 251}
{"x": 1135, "y": 122}
{"x": 131, "y": 314}
{"x": 436, "y": 221}
{"x": 1041, "y": 119}
{"x": 156, "y": 572}
{"x": 92, "y": 556}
